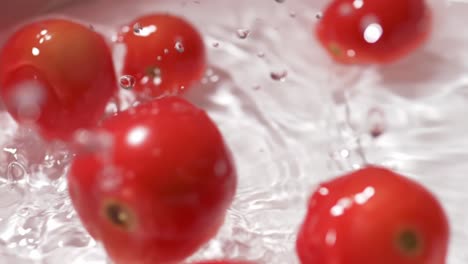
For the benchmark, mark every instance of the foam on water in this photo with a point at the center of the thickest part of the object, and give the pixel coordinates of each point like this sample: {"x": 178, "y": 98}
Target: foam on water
{"x": 291, "y": 117}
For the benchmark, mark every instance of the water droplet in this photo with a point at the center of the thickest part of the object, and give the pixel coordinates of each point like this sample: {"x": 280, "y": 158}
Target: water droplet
{"x": 344, "y": 153}
{"x": 243, "y": 33}
{"x": 24, "y": 212}
{"x": 154, "y": 75}
{"x": 127, "y": 82}
{"x": 141, "y": 31}
{"x": 159, "y": 58}
{"x": 137, "y": 28}
{"x": 376, "y": 122}
{"x": 279, "y": 76}
{"x": 351, "y": 53}
{"x": 319, "y": 15}
{"x": 280, "y": 1}
{"x": 261, "y": 54}
{"x": 15, "y": 172}
{"x": 215, "y": 44}
{"x": 323, "y": 191}
{"x": 179, "y": 47}
{"x": 292, "y": 14}
{"x": 166, "y": 51}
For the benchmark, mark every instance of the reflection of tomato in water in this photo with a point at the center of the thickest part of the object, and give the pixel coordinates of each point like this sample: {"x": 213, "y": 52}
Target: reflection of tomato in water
{"x": 162, "y": 189}
{"x": 373, "y": 215}
{"x": 377, "y": 31}
{"x": 165, "y": 54}
{"x": 57, "y": 74}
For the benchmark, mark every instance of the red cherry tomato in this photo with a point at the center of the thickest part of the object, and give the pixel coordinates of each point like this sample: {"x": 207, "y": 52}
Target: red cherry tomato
{"x": 225, "y": 262}
{"x": 161, "y": 190}
{"x": 165, "y": 54}
{"x": 373, "y": 31}
{"x": 57, "y": 74}
{"x": 373, "y": 215}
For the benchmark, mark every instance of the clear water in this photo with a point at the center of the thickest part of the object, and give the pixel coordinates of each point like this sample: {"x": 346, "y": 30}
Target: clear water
{"x": 291, "y": 117}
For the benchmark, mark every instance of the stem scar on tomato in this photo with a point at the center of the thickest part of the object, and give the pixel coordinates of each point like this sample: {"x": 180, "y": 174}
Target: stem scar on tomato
{"x": 335, "y": 49}
{"x": 409, "y": 242}
{"x": 119, "y": 215}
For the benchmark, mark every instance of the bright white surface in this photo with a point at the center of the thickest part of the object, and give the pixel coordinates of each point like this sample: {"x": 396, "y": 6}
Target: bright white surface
{"x": 280, "y": 103}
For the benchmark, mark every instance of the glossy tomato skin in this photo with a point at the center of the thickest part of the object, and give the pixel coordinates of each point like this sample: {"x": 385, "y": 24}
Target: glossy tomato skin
{"x": 58, "y": 75}
{"x": 373, "y": 215}
{"x": 161, "y": 190}
{"x": 373, "y": 31}
{"x": 165, "y": 53}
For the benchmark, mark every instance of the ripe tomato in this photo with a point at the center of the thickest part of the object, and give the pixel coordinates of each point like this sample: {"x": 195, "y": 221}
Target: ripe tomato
{"x": 373, "y": 215}
{"x": 57, "y": 75}
{"x": 373, "y": 31}
{"x": 165, "y": 54}
{"x": 161, "y": 190}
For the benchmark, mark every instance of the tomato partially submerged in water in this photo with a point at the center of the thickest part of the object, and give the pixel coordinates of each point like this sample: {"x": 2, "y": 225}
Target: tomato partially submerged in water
{"x": 373, "y": 215}
{"x": 161, "y": 190}
{"x": 373, "y": 31}
{"x": 57, "y": 75}
{"x": 165, "y": 54}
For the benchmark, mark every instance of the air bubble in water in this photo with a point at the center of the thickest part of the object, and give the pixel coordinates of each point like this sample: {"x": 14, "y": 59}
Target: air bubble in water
{"x": 279, "y": 76}
{"x": 28, "y": 99}
{"x": 243, "y": 33}
{"x": 127, "y": 82}
{"x": 179, "y": 47}
{"x": 15, "y": 172}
